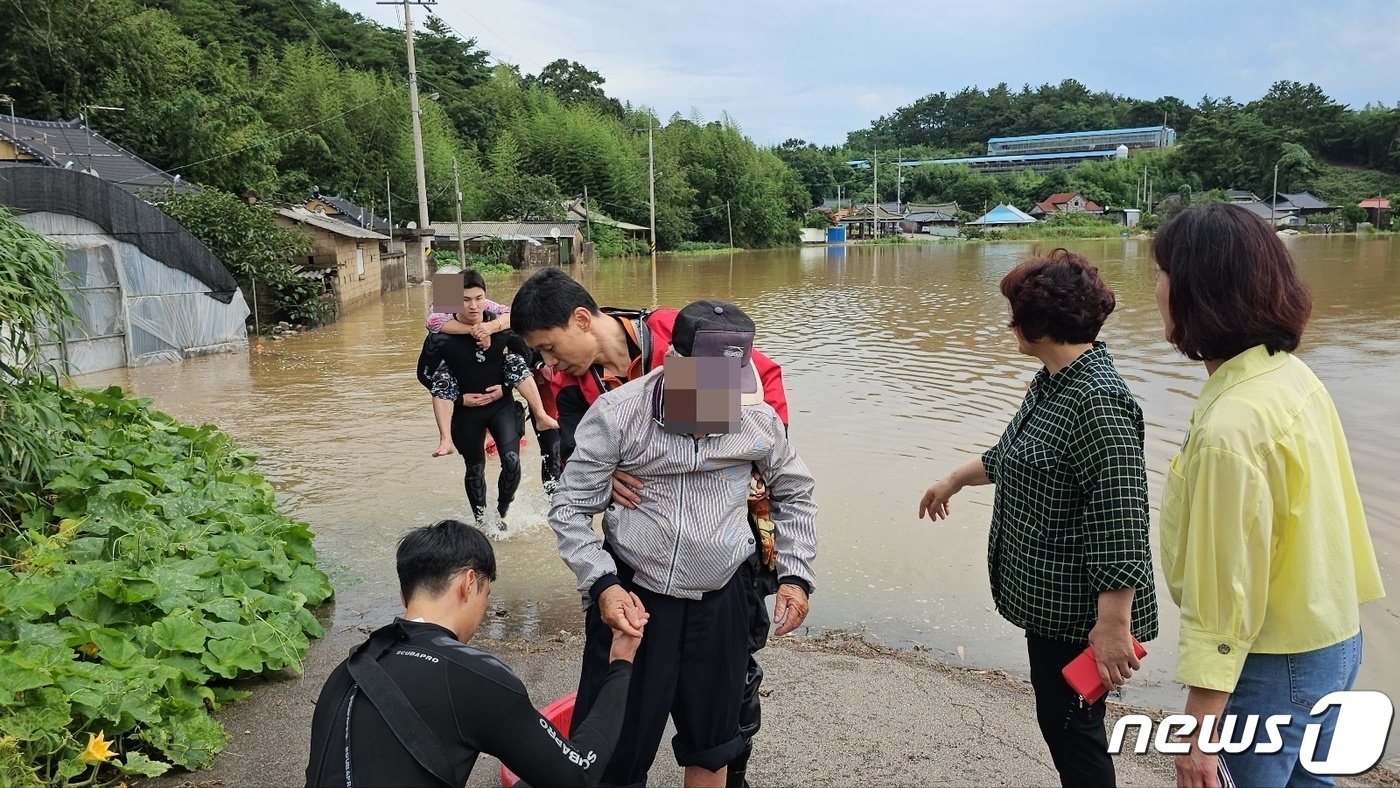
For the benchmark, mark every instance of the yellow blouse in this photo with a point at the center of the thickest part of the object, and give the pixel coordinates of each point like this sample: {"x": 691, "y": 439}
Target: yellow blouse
{"x": 1264, "y": 541}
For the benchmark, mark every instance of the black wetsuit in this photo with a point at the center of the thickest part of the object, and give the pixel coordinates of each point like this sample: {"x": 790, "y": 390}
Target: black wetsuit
{"x": 476, "y": 370}
{"x": 474, "y": 704}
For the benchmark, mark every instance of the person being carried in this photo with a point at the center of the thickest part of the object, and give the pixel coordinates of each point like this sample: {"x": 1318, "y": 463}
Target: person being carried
{"x": 414, "y": 705}
{"x": 596, "y": 350}
{"x": 685, "y": 551}
{"x": 524, "y": 374}
{"x": 480, "y": 374}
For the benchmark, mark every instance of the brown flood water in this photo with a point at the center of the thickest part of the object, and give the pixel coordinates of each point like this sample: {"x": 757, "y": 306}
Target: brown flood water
{"x": 898, "y": 366}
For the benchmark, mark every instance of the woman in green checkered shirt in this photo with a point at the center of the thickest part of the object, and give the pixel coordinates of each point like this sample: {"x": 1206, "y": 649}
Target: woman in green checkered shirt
{"x": 1067, "y": 550}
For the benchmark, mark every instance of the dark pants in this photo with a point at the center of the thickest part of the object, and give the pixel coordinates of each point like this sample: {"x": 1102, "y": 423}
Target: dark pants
{"x": 759, "y": 584}
{"x": 690, "y": 667}
{"x": 1073, "y": 731}
{"x": 469, "y": 426}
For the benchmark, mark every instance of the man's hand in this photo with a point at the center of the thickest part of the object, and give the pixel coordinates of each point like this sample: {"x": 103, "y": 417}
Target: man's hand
{"x": 544, "y": 423}
{"x": 1113, "y": 650}
{"x": 624, "y": 646}
{"x": 477, "y": 400}
{"x": 482, "y": 333}
{"x": 1197, "y": 769}
{"x": 626, "y": 490}
{"x": 622, "y": 611}
{"x": 935, "y": 500}
{"x": 790, "y": 608}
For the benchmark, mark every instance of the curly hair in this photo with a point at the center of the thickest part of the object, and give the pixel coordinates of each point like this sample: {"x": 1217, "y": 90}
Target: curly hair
{"x": 1058, "y": 295}
{"x": 1233, "y": 284}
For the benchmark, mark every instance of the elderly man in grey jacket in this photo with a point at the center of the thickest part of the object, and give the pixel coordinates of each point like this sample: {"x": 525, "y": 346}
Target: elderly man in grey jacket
{"x": 693, "y": 431}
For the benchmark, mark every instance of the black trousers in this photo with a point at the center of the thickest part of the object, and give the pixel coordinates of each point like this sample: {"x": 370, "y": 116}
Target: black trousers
{"x": 1073, "y": 731}
{"x": 690, "y": 667}
{"x": 505, "y": 421}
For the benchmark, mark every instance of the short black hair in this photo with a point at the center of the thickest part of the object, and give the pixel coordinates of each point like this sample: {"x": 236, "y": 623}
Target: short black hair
{"x": 470, "y": 279}
{"x": 429, "y": 557}
{"x": 1059, "y": 295}
{"x": 547, "y": 300}
{"x": 1233, "y": 283}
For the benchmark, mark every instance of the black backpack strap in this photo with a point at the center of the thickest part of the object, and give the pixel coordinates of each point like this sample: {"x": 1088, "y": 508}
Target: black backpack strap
{"x": 408, "y": 726}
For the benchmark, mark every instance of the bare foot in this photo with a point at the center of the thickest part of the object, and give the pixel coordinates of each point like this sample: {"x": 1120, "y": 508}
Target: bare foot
{"x": 445, "y": 448}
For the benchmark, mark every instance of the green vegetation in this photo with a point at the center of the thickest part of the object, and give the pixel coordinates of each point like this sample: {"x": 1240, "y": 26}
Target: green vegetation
{"x": 255, "y": 248}
{"x": 143, "y": 565}
{"x": 705, "y": 247}
{"x": 280, "y": 97}
{"x": 1341, "y": 155}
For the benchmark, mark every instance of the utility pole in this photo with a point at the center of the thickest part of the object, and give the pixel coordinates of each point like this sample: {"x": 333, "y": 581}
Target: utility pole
{"x": 875, "y": 195}
{"x": 587, "y": 214}
{"x": 461, "y": 242}
{"x": 899, "y": 178}
{"x": 417, "y": 114}
{"x": 1273, "y": 201}
{"x": 1149, "y": 193}
{"x": 651, "y": 182}
{"x": 729, "y": 218}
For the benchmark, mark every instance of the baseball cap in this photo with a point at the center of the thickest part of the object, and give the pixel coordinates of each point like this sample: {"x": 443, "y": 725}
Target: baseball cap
{"x": 721, "y": 330}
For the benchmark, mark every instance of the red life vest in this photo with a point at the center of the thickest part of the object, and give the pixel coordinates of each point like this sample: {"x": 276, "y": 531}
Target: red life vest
{"x": 651, "y": 331}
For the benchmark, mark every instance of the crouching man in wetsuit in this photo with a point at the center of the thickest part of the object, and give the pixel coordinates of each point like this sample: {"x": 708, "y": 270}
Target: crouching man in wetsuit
{"x": 414, "y": 705}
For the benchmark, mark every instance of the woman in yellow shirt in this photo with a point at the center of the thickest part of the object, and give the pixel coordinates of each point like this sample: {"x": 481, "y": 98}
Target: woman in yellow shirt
{"x": 1264, "y": 541}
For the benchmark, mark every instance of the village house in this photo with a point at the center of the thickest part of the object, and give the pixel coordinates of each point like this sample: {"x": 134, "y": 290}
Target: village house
{"x": 1065, "y": 202}
{"x": 861, "y": 221}
{"x": 579, "y": 213}
{"x": 1002, "y": 217}
{"x": 1377, "y": 210}
{"x": 529, "y": 244}
{"x": 1301, "y": 203}
{"x": 70, "y": 145}
{"x": 344, "y": 257}
{"x": 938, "y": 219}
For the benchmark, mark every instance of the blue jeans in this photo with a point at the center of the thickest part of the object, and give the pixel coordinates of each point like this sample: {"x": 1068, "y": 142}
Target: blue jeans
{"x": 1290, "y": 684}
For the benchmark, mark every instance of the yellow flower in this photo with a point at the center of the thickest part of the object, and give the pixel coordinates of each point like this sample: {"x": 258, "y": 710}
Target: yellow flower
{"x": 98, "y": 750}
{"x": 89, "y": 649}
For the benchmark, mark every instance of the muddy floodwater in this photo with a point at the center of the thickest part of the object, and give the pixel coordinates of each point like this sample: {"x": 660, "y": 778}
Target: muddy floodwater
{"x": 898, "y": 366}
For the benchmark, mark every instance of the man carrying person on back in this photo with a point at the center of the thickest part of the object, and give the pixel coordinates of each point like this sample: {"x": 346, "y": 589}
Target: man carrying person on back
{"x": 596, "y": 350}
{"x": 694, "y": 430}
{"x": 483, "y": 402}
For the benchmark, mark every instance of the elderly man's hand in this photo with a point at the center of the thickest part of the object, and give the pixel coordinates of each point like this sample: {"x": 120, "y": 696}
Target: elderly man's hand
{"x": 790, "y": 609}
{"x": 622, "y": 611}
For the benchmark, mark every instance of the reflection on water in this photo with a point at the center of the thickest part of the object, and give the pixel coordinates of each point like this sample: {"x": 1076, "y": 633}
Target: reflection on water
{"x": 898, "y": 366}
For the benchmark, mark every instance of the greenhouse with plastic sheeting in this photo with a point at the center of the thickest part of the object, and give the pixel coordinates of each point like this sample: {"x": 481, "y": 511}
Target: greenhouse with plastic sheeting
{"x": 145, "y": 290}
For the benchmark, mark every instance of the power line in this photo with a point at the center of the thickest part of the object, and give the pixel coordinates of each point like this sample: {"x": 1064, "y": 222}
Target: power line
{"x": 296, "y": 7}
{"x": 466, "y": 38}
{"x": 271, "y": 140}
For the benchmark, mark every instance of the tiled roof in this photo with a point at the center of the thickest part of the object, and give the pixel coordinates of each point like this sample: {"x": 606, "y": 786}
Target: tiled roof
{"x": 71, "y": 145}
{"x": 501, "y": 229}
{"x": 324, "y": 222}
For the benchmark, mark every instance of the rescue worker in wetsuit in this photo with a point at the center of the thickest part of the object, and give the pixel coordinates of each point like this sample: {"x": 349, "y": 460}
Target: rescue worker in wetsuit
{"x": 484, "y": 403}
{"x": 596, "y": 350}
{"x": 414, "y": 705}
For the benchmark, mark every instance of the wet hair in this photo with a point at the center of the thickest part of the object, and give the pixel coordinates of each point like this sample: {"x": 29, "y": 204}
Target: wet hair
{"x": 547, "y": 300}
{"x": 1058, "y": 295}
{"x": 429, "y": 557}
{"x": 470, "y": 279}
{"x": 1233, "y": 284}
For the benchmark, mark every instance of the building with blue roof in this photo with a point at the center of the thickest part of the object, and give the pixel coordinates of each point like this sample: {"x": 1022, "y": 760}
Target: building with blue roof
{"x": 1101, "y": 139}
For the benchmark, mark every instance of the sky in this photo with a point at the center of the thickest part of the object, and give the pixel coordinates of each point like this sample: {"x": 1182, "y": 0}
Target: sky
{"x": 815, "y": 70}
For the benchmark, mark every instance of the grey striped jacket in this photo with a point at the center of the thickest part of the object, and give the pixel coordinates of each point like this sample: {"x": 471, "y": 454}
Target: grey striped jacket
{"x": 691, "y": 531}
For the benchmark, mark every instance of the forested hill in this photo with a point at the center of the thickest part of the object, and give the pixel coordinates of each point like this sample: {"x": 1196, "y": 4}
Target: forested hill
{"x": 283, "y": 95}
{"x": 1343, "y": 154}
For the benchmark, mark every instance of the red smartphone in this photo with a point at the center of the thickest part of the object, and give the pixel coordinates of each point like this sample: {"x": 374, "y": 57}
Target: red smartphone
{"x": 1082, "y": 674}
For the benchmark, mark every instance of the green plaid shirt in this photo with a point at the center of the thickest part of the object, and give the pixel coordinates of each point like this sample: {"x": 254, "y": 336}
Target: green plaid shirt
{"x": 1070, "y": 514}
